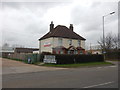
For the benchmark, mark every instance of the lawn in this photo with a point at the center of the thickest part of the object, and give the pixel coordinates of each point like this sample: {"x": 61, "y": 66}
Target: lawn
{"x": 77, "y": 65}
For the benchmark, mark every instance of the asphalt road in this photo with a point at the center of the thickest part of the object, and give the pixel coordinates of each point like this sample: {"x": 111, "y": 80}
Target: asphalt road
{"x": 93, "y": 77}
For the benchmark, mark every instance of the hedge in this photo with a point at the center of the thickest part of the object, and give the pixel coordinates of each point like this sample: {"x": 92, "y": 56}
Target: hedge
{"x": 69, "y": 59}
{"x": 112, "y": 55}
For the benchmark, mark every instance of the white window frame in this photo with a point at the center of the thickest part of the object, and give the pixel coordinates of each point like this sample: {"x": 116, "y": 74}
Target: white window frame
{"x": 60, "y": 41}
{"x": 79, "y": 42}
{"x": 70, "y": 41}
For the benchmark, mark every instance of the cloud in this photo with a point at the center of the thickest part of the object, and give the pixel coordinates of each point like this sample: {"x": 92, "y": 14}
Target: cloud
{"x": 25, "y": 22}
{"x": 89, "y": 19}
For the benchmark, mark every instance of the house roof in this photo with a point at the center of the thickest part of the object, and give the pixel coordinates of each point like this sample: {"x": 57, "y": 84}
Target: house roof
{"x": 63, "y": 32}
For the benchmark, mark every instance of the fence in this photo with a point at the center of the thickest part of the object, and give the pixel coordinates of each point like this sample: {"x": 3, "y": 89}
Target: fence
{"x": 60, "y": 58}
{"x": 24, "y": 57}
{"x": 17, "y": 56}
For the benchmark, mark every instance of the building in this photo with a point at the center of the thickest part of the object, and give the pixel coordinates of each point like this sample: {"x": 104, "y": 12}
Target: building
{"x": 62, "y": 40}
{"x": 94, "y": 49}
{"x": 97, "y": 51}
{"x": 25, "y": 50}
{"x": 5, "y": 50}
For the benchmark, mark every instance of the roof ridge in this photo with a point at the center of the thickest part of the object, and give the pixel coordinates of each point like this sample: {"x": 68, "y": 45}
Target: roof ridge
{"x": 54, "y": 31}
{"x": 61, "y": 26}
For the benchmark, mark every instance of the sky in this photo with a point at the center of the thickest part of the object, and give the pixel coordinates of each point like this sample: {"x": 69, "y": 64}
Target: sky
{"x": 24, "y": 22}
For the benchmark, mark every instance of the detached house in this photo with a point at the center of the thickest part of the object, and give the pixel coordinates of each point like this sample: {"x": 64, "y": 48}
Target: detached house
{"x": 62, "y": 40}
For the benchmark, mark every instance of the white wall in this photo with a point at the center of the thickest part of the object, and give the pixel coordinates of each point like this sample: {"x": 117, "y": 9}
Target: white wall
{"x": 54, "y": 43}
{"x": 66, "y": 43}
{"x": 48, "y": 48}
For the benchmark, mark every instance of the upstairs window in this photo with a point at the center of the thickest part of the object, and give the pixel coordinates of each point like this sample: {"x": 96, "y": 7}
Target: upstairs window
{"x": 59, "y": 41}
{"x": 70, "y": 42}
{"x": 79, "y": 43}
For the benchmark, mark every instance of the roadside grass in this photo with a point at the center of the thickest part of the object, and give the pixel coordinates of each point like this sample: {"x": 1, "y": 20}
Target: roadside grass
{"x": 88, "y": 64}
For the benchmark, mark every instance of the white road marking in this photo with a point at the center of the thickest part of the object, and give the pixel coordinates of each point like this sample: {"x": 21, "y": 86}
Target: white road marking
{"x": 99, "y": 67}
{"x": 106, "y": 67}
{"x": 98, "y": 84}
{"x": 112, "y": 66}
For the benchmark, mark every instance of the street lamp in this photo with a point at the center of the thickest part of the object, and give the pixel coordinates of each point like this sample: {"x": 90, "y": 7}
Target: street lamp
{"x": 103, "y": 31}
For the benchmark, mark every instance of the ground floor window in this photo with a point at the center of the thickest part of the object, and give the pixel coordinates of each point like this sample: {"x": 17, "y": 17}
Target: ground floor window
{"x": 70, "y": 50}
{"x": 75, "y": 52}
{"x": 61, "y": 52}
{"x": 81, "y": 52}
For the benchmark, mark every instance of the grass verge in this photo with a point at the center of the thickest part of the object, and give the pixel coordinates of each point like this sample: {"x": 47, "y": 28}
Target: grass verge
{"x": 76, "y": 65}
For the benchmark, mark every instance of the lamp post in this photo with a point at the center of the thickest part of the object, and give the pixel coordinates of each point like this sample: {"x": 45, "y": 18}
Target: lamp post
{"x": 103, "y": 18}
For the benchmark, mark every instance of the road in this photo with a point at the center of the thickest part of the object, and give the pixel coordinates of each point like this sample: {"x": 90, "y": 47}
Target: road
{"x": 93, "y": 77}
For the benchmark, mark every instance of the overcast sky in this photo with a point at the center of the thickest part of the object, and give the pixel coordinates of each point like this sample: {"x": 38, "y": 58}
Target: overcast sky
{"x": 23, "y": 23}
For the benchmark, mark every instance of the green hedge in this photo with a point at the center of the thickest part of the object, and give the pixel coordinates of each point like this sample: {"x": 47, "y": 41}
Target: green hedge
{"x": 69, "y": 59}
{"x": 112, "y": 55}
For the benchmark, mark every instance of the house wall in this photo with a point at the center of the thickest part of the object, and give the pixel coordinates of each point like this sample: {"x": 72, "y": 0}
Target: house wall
{"x": 44, "y": 42}
{"x": 65, "y": 42}
{"x": 83, "y": 44}
{"x": 54, "y": 43}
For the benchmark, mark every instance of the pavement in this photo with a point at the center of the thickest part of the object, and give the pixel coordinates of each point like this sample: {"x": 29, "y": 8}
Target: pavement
{"x": 51, "y": 77}
{"x": 13, "y": 67}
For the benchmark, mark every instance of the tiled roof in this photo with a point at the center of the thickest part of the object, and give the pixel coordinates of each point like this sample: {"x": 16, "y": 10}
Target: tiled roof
{"x": 63, "y": 32}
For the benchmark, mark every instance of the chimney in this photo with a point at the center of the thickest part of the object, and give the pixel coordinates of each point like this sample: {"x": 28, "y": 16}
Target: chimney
{"x": 71, "y": 27}
{"x": 51, "y": 26}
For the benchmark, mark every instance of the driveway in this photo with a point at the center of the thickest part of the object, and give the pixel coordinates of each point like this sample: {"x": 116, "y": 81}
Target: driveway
{"x": 12, "y": 67}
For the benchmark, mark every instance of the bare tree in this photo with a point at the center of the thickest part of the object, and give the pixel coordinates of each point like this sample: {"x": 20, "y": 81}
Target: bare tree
{"x": 111, "y": 42}
{"x": 115, "y": 42}
{"x": 100, "y": 42}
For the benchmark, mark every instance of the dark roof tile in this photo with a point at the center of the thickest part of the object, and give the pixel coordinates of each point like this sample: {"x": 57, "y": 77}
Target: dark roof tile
{"x": 63, "y": 32}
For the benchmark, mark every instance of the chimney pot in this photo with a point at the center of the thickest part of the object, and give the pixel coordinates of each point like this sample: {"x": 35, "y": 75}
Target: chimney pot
{"x": 71, "y": 27}
{"x": 51, "y": 26}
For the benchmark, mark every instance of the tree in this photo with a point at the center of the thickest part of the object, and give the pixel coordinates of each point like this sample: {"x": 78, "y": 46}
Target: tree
{"x": 111, "y": 42}
{"x": 115, "y": 42}
{"x": 111, "y": 46}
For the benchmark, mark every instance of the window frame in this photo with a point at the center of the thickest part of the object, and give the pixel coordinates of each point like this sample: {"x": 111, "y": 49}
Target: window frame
{"x": 70, "y": 41}
{"x": 60, "y": 41}
{"x": 79, "y": 43}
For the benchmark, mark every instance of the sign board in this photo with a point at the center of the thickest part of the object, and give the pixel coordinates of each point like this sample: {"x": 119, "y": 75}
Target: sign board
{"x": 47, "y": 44}
{"x": 49, "y": 59}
